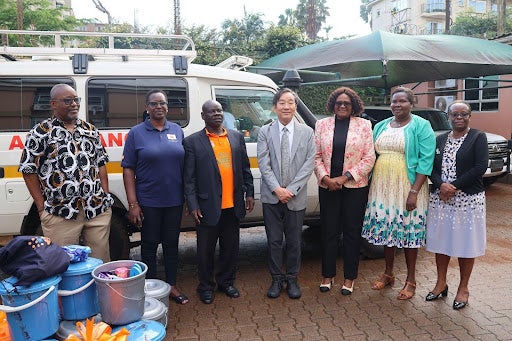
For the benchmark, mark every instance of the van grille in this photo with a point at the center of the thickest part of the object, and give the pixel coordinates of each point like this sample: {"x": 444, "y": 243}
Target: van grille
{"x": 498, "y": 150}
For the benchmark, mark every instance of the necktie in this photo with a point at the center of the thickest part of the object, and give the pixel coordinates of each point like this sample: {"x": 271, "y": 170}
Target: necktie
{"x": 285, "y": 158}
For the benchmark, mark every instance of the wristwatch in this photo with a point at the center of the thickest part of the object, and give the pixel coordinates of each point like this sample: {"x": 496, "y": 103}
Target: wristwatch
{"x": 348, "y": 175}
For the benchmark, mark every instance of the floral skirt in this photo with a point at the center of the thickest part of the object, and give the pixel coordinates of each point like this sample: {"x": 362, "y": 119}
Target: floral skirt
{"x": 386, "y": 221}
{"x": 457, "y": 228}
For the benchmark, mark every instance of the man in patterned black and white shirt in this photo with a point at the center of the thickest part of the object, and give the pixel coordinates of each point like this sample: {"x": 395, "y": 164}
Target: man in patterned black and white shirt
{"x": 63, "y": 165}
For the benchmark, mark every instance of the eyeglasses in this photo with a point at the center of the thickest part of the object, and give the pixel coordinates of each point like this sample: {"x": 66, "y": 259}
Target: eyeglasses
{"x": 155, "y": 104}
{"x": 69, "y": 101}
{"x": 340, "y": 103}
{"x": 456, "y": 115}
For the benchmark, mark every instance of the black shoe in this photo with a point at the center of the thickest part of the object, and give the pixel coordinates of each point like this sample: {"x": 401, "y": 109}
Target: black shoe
{"x": 346, "y": 291}
{"x": 293, "y": 289}
{"x": 432, "y": 297}
{"x": 327, "y": 286}
{"x": 457, "y": 305}
{"x": 275, "y": 288}
{"x": 206, "y": 296}
{"x": 230, "y": 291}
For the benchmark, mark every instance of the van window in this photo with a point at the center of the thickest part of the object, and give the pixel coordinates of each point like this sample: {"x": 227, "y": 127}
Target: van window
{"x": 26, "y": 101}
{"x": 246, "y": 110}
{"x": 120, "y": 102}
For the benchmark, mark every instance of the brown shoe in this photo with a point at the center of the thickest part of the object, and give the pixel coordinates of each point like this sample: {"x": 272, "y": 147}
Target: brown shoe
{"x": 383, "y": 281}
{"x": 407, "y": 292}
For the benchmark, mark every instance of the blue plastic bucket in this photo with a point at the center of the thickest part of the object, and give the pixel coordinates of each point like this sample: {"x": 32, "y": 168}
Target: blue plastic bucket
{"x": 121, "y": 300}
{"x": 77, "y": 290}
{"x": 33, "y": 310}
{"x": 146, "y": 330}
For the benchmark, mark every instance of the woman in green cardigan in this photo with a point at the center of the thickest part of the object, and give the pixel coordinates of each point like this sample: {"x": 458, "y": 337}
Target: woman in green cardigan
{"x": 398, "y": 200}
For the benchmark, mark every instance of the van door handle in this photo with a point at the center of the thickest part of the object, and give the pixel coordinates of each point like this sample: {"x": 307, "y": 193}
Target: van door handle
{"x": 2, "y": 174}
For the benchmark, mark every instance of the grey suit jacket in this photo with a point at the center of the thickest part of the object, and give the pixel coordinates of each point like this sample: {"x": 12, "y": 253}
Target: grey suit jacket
{"x": 301, "y": 167}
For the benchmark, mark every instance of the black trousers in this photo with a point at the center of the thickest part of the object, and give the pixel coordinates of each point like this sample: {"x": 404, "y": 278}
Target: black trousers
{"x": 161, "y": 225}
{"x": 284, "y": 230}
{"x": 227, "y": 232}
{"x": 342, "y": 212}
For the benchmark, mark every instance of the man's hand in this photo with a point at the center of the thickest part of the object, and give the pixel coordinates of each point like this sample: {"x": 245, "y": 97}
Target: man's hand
{"x": 283, "y": 194}
{"x": 249, "y": 204}
{"x": 197, "y": 215}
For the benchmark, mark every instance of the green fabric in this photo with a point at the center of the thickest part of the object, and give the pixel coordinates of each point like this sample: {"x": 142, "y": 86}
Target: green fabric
{"x": 394, "y": 59}
{"x": 420, "y": 145}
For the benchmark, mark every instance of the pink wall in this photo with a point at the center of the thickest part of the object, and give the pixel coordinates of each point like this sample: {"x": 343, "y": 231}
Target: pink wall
{"x": 497, "y": 122}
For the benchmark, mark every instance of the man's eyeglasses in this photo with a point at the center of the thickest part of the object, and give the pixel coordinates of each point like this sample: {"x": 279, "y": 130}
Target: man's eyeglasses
{"x": 69, "y": 101}
{"x": 456, "y": 115}
{"x": 155, "y": 104}
{"x": 340, "y": 103}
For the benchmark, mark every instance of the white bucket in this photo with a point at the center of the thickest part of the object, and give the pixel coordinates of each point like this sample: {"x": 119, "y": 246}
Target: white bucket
{"x": 158, "y": 289}
{"x": 155, "y": 310}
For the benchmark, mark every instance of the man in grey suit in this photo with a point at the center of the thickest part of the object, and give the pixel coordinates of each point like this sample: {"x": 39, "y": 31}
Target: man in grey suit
{"x": 219, "y": 190}
{"x": 286, "y": 151}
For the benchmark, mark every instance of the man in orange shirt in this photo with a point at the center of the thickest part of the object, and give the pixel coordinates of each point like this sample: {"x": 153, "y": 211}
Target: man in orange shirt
{"x": 219, "y": 190}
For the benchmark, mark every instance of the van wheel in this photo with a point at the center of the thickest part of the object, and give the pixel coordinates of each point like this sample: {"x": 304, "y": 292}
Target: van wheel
{"x": 371, "y": 251}
{"x": 119, "y": 240}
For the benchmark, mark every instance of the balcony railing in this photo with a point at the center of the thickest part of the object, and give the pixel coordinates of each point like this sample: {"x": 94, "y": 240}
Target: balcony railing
{"x": 437, "y": 7}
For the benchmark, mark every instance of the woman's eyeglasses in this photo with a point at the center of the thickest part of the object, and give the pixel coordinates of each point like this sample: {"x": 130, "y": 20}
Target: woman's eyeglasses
{"x": 340, "y": 103}
{"x": 155, "y": 104}
{"x": 457, "y": 115}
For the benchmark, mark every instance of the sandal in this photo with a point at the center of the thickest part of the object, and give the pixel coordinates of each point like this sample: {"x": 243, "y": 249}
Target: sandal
{"x": 180, "y": 299}
{"x": 405, "y": 293}
{"x": 383, "y": 281}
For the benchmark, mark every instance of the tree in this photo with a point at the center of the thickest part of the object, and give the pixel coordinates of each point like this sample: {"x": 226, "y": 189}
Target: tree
{"x": 209, "y": 46}
{"x": 477, "y": 25}
{"x": 37, "y": 15}
{"x": 311, "y": 15}
{"x": 288, "y": 18}
{"x": 363, "y": 10}
{"x": 280, "y": 39}
{"x": 244, "y": 36}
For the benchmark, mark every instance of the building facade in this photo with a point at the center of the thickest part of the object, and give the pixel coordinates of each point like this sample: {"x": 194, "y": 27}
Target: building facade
{"x": 490, "y": 98}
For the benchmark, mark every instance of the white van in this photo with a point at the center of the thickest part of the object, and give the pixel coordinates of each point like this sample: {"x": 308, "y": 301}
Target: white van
{"x": 112, "y": 83}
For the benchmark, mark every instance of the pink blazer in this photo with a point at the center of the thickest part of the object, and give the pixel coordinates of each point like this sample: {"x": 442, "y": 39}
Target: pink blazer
{"x": 359, "y": 151}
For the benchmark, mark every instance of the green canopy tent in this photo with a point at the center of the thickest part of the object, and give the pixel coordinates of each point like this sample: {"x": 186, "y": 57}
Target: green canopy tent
{"x": 384, "y": 60}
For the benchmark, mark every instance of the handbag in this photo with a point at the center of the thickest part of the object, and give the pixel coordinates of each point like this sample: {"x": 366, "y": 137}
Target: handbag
{"x": 32, "y": 258}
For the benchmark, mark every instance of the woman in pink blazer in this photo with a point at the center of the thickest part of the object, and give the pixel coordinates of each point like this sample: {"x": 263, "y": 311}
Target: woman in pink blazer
{"x": 343, "y": 161}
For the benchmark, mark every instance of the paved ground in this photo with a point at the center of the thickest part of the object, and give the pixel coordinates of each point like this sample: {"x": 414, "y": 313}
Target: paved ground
{"x": 366, "y": 314}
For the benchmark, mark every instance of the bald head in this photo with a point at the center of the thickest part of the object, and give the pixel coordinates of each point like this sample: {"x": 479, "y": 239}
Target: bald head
{"x": 59, "y": 88}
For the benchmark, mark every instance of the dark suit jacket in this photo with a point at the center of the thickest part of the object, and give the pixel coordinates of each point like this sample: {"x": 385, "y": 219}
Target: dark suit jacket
{"x": 471, "y": 162}
{"x": 203, "y": 185}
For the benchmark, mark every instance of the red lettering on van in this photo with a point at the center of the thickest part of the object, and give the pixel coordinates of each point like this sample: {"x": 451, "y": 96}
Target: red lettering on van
{"x": 16, "y": 143}
{"x": 113, "y": 139}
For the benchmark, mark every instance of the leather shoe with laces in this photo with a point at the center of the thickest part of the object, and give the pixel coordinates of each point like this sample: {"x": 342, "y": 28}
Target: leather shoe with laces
{"x": 293, "y": 288}
{"x": 206, "y": 296}
{"x": 230, "y": 291}
{"x": 275, "y": 288}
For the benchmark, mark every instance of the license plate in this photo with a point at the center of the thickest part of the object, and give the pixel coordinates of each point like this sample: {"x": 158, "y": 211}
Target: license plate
{"x": 497, "y": 165}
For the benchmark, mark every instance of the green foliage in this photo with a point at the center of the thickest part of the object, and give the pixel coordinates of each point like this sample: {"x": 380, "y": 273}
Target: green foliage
{"x": 310, "y": 16}
{"x": 477, "y": 25}
{"x": 315, "y": 97}
{"x": 209, "y": 46}
{"x": 363, "y": 10}
{"x": 37, "y": 15}
{"x": 280, "y": 39}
